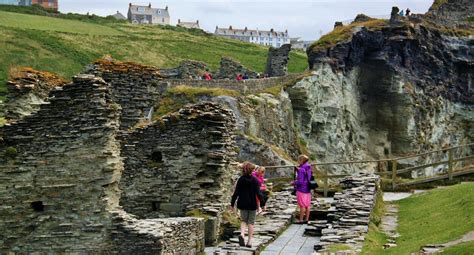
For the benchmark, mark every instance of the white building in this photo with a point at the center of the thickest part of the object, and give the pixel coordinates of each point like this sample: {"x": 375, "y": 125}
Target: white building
{"x": 188, "y": 24}
{"x": 138, "y": 14}
{"x": 296, "y": 43}
{"x": 262, "y": 37}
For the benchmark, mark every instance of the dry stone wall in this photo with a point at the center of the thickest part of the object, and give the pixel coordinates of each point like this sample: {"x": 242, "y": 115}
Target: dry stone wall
{"x": 134, "y": 87}
{"x": 59, "y": 184}
{"x": 179, "y": 162}
{"x": 349, "y": 216}
{"x": 244, "y": 87}
{"x": 27, "y": 90}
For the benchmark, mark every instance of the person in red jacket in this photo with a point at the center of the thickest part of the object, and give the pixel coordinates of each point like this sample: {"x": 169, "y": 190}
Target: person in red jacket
{"x": 207, "y": 76}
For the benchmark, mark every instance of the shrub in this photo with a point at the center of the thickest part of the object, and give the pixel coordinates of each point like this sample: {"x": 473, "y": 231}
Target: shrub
{"x": 11, "y": 152}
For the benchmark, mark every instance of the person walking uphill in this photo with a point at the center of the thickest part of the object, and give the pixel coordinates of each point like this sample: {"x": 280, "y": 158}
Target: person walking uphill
{"x": 303, "y": 190}
{"x": 246, "y": 192}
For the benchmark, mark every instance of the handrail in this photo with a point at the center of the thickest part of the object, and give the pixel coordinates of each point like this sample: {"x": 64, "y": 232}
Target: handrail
{"x": 374, "y": 160}
{"x": 394, "y": 171}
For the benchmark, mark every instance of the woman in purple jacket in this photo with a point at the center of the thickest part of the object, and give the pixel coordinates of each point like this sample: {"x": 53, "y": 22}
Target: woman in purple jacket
{"x": 303, "y": 192}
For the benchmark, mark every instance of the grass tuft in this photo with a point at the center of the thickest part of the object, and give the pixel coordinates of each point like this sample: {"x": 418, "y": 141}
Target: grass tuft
{"x": 344, "y": 33}
{"x": 437, "y": 3}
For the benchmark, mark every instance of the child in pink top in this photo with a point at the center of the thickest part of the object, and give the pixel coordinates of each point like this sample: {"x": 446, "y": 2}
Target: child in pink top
{"x": 259, "y": 174}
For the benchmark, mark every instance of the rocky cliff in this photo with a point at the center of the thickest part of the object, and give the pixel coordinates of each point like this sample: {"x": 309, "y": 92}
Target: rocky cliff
{"x": 388, "y": 89}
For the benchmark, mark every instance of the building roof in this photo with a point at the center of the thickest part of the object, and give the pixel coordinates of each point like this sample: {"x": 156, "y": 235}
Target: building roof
{"x": 249, "y": 32}
{"x": 148, "y": 10}
{"x": 188, "y": 24}
{"x": 119, "y": 15}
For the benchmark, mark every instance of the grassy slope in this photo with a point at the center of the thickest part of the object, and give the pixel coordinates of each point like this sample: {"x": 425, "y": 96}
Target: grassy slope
{"x": 466, "y": 248}
{"x": 65, "y": 46}
{"x": 434, "y": 217}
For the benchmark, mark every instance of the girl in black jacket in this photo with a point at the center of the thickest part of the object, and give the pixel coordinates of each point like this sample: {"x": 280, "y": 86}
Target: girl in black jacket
{"x": 246, "y": 192}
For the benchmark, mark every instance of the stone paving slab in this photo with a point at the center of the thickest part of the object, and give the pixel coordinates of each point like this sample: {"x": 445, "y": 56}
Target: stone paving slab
{"x": 280, "y": 210}
{"x": 292, "y": 241}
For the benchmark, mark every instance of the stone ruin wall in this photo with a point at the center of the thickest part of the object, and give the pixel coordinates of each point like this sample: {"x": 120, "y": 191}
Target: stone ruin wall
{"x": 179, "y": 162}
{"x": 244, "y": 86}
{"x": 133, "y": 86}
{"x": 59, "y": 185}
{"x": 27, "y": 90}
{"x": 229, "y": 69}
{"x": 277, "y": 61}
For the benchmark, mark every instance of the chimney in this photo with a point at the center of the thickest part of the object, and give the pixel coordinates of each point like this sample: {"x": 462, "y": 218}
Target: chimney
{"x": 117, "y": 12}
{"x": 149, "y": 5}
{"x": 166, "y": 8}
{"x": 179, "y": 21}
{"x": 217, "y": 27}
{"x": 129, "y": 5}
{"x": 197, "y": 22}
{"x": 230, "y": 27}
{"x": 245, "y": 28}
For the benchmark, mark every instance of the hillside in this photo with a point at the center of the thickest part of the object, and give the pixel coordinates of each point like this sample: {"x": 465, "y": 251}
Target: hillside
{"x": 65, "y": 46}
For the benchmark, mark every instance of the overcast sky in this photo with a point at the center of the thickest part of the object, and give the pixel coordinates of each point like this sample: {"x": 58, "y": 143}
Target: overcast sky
{"x": 305, "y": 19}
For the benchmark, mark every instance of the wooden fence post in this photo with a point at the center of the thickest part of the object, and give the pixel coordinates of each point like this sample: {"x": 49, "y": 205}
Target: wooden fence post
{"x": 326, "y": 182}
{"x": 394, "y": 173}
{"x": 450, "y": 164}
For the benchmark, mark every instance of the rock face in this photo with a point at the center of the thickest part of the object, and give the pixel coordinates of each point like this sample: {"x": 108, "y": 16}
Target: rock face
{"x": 387, "y": 92}
{"x": 27, "y": 90}
{"x": 277, "y": 61}
{"x": 452, "y": 13}
{"x": 229, "y": 69}
{"x": 179, "y": 162}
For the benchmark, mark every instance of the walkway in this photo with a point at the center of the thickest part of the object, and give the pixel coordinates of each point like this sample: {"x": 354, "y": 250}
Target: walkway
{"x": 292, "y": 241}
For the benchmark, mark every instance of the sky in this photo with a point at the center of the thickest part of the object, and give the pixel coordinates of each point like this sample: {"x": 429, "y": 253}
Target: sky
{"x": 307, "y": 19}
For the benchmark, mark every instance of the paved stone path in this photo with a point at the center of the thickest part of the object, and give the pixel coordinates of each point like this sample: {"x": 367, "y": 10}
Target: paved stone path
{"x": 292, "y": 241}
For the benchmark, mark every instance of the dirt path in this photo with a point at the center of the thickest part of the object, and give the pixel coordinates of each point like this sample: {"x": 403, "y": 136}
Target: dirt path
{"x": 436, "y": 248}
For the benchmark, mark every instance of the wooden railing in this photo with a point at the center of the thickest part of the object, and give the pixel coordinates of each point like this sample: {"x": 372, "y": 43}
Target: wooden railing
{"x": 393, "y": 174}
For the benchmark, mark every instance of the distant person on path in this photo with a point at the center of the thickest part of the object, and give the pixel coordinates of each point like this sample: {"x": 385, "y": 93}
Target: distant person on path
{"x": 408, "y": 12}
{"x": 245, "y": 77}
{"x": 246, "y": 192}
{"x": 303, "y": 191}
{"x": 259, "y": 173}
{"x": 258, "y": 75}
{"x": 401, "y": 13}
{"x": 207, "y": 76}
{"x": 239, "y": 77}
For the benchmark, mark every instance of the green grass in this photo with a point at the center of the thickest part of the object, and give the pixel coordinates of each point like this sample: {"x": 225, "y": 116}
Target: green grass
{"x": 344, "y": 33}
{"x": 437, "y": 3}
{"x": 27, "y": 21}
{"x": 435, "y": 217}
{"x": 65, "y": 45}
{"x": 466, "y": 248}
{"x": 375, "y": 238}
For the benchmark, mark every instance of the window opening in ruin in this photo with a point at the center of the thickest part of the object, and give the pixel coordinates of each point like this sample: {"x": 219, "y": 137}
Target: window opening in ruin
{"x": 155, "y": 206}
{"x": 37, "y": 206}
{"x": 157, "y": 156}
